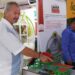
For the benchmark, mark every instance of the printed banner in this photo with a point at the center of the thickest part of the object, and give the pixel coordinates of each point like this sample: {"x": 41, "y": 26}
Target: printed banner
{"x": 54, "y": 15}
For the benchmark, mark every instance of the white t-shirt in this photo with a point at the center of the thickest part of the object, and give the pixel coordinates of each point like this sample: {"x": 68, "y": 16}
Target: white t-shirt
{"x": 10, "y": 48}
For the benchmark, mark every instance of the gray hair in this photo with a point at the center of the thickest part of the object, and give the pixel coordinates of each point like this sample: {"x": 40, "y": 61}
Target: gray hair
{"x": 9, "y": 5}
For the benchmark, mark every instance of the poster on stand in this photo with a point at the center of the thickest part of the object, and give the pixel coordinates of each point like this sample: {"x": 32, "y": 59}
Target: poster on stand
{"x": 70, "y": 11}
{"x": 54, "y": 17}
{"x": 70, "y": 8}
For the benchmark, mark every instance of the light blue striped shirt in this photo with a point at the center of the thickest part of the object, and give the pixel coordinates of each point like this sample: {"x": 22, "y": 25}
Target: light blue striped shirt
{"x": 10, "y": 48}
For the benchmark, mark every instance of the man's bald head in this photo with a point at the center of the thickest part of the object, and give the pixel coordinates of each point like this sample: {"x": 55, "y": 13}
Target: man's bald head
{"x": 10, "y": 4}
{"x": 12, "y": 12}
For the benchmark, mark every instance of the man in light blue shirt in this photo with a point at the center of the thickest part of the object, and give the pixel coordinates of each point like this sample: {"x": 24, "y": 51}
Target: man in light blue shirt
{"x": 68, "y": 44}
{"x": 11, "y": 47}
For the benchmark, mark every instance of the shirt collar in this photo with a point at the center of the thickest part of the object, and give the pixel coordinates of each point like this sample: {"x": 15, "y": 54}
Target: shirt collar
{"x": 70, "y": 29}
{"x": 7, "y": 23}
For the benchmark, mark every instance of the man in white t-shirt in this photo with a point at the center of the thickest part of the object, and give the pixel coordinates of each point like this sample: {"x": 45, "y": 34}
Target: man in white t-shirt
{"x": 11, "y": 47}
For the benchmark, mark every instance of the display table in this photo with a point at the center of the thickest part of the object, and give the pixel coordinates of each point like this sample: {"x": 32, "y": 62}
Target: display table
{"x": 27, "y": 72}
{"x": 73, "y": 72}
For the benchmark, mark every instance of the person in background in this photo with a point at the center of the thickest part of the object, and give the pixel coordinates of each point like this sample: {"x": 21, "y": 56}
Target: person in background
{"x": 11, "y": 47}
{"x": 54, "y": 43}
{"x": 68, "y": 44}
{"x": 54, "y": 46}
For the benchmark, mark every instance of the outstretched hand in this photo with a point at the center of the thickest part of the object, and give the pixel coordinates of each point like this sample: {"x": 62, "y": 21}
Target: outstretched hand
{"x": 45, "y": 58}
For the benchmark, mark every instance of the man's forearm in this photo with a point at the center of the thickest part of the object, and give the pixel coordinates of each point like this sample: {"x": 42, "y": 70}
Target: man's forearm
{"x": 31, "y": 53}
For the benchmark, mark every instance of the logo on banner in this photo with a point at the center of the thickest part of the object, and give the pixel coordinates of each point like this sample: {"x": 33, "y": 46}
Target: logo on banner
{"x": 55, "y": 9}
{"x": 72, "y": 6}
